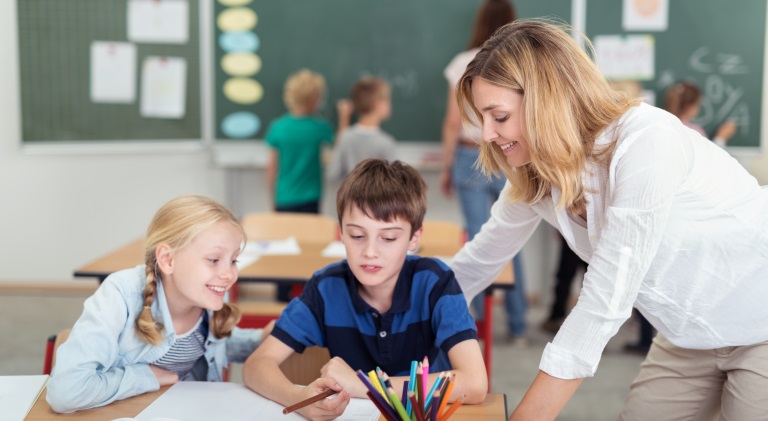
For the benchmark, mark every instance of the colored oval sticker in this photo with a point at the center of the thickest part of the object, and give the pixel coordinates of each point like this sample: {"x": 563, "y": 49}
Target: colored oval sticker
{"x": 239, "y": 41}
{"x": 241, "y": 64}
{"x": 241, "y": 125}
{"x": 237, "y": 19}
{"x": 234, "y": 2}
{"x": 243, "y": 90}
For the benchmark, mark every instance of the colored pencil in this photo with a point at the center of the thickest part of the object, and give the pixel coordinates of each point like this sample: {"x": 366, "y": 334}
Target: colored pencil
{"x": 404, "y": 399}
{"x": 385, "y": 410}
{"x": 309, "y": 401}
{"x": 417, "y": 407}
{"x": 435, "y": 403}
{"x": 375, "y": 393}
{"x": 419, "y": 387}
{"x": 437, "y": 384}
{"x": 451, "y": 410}
{"x": 377, "y": 384}
{"x": 424, "y": 380}
{"x": 396, "y": 402}
{"x": 447, "y": 396}
{"x": 411, "y": 386}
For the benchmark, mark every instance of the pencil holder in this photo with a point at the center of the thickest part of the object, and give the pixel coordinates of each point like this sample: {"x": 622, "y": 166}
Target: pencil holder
{"x": 419, "y": 401}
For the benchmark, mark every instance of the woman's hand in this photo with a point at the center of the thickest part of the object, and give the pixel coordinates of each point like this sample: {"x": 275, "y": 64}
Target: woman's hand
{"x": 338, "y": 369}
{"x": 325, "y": 409}
{"x": 446, "y": 182}
{"x": 164, "y": 377}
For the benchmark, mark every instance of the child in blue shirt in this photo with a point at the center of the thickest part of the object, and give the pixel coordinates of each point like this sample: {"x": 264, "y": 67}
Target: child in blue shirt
{"x": 379, "y": 307}
{"x": 163, "y": 321}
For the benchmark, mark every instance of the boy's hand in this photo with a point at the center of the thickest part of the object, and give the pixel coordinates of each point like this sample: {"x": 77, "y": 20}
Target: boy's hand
{"x": 338, "y": 369}
{"x": 164, "y": 377}
{"x": 344, "y": 107}
{"x": 325, "y": 409}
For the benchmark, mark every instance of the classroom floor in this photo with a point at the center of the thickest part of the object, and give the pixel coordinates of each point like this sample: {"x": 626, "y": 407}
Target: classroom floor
{"x": 27, "y": 320}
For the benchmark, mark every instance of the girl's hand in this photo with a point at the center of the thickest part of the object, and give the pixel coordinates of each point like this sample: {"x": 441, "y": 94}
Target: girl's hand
{"x": 164, "y": 377}
{"x": 325, "y": 409}
{"x": 726, "y": 130}
{"x": 338, "y": 369}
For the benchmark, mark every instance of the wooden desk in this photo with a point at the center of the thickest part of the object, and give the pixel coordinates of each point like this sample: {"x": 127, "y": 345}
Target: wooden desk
{"x": 297, "y": 269}
{"x": 494, "y": 408}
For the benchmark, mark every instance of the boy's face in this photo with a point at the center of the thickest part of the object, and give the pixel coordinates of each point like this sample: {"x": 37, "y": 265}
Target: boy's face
{"x": 376, "y": 250}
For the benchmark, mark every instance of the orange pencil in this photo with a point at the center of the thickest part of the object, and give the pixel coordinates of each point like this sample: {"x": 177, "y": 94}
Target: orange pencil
{"x": 309, "y": 401}
{"x": 446, "y": 396}
{"x": 451, "y": 410}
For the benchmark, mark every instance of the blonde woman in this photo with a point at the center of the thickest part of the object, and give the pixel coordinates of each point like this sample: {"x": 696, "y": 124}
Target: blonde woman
{"x": 668, "y": 223}
{"x": 161, "y": 322}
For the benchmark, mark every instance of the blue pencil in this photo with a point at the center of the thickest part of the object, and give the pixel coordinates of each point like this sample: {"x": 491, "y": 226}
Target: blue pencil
{"x": 411, "y": 386}
{"x": 432, "y": 391}
{"x": 375, "y": 393}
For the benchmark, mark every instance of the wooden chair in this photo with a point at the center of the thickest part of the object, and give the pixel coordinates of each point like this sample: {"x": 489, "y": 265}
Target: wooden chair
{"x": 441, "y": 234}
{"x": 305, "y": 227}
{"x": 305, "y": 368}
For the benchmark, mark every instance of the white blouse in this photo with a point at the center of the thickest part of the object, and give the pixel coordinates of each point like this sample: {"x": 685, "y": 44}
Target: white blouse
{"x": 675, "y": 227}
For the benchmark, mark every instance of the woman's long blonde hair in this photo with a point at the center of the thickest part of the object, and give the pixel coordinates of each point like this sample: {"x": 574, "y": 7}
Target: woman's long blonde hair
{"x": 567, "y": 104}
{"x": 177, "y": 223}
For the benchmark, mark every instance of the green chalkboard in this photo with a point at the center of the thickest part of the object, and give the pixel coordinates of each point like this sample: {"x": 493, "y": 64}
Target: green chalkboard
{"x": 407, "y": 42}
{"x": 54, "y": 68}
{"x": 717, "y": 44}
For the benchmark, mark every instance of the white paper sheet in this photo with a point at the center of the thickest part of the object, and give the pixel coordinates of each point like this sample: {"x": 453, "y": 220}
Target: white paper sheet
{"x": 628, "y": 57}
{"x": 163, "y": 87}
{"x": 205, "y": 401}
{"x": 645, "y": 15}
{"x": 18, "y": 394}
{"x": 335, "y": 249}
{"x": 113, "y": 72}
{"x": 288, "y": 246}
{"x": 158, "y": 21}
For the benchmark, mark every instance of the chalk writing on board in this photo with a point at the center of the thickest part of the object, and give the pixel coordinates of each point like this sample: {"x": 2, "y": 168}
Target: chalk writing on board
{"x": 722, "y": 99}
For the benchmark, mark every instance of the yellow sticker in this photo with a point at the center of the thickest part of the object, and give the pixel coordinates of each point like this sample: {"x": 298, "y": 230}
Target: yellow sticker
{"x": 234, "y": 2}
{"x": 241, "y": 64}
{"x": 237, "y": 19}
{"x": 243, "y": 90}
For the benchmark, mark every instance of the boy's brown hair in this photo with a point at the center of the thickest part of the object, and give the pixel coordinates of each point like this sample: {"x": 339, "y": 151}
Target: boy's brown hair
{"x": 366, "y": 92}
{"x": 384, "y": 191}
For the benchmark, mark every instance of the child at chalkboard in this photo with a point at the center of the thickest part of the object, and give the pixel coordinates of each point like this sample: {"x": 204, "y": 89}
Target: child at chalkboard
{"x": 163, "y": 321}
{"x": 294, "y": 168}
{"x": 683, "y": 99}
{"x": 371, "y": 100}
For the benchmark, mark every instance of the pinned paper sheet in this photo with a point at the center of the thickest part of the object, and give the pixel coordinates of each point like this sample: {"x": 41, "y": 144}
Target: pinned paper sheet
{"x": 192, "y": 401}
{"x": 645, "y": 15}
{"x": 163, "y": 87}
{"x": 155, "y": 21}
{"x": 18, "y": 394}
{"x": 113, "y": 72}
{"x": 628, "y": 57}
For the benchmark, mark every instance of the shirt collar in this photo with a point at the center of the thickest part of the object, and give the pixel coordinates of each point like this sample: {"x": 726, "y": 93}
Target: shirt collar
{"x": 401, "y": 298}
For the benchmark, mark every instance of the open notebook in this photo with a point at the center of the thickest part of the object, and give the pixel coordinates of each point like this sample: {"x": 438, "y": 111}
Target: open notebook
{"x": 204, "y": 401}
{"x": 18, "y": 394}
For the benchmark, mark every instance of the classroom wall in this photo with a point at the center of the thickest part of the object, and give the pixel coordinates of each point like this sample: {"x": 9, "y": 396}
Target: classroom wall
{"x": 60, "y": 211}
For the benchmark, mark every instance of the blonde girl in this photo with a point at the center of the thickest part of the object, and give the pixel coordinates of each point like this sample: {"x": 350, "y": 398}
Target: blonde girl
{"x": 163, "y": 321}
{"x": 668, "y": 224}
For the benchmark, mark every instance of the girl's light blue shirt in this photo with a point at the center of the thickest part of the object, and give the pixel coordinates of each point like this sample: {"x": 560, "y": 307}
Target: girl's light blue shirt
{"x": 104, "y": 360}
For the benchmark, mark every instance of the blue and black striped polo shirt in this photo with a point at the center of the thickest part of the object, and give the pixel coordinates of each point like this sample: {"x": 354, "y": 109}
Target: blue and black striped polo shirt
{"x": 428, "y": 316}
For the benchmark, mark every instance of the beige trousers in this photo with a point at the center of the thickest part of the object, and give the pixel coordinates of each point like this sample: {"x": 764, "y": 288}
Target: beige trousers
{"x": 692, "y": 384}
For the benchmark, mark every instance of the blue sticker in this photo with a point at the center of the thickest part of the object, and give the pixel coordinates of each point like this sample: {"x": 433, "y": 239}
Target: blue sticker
{"x": 240, "y": 125}
{"x": 233, "y": 42}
